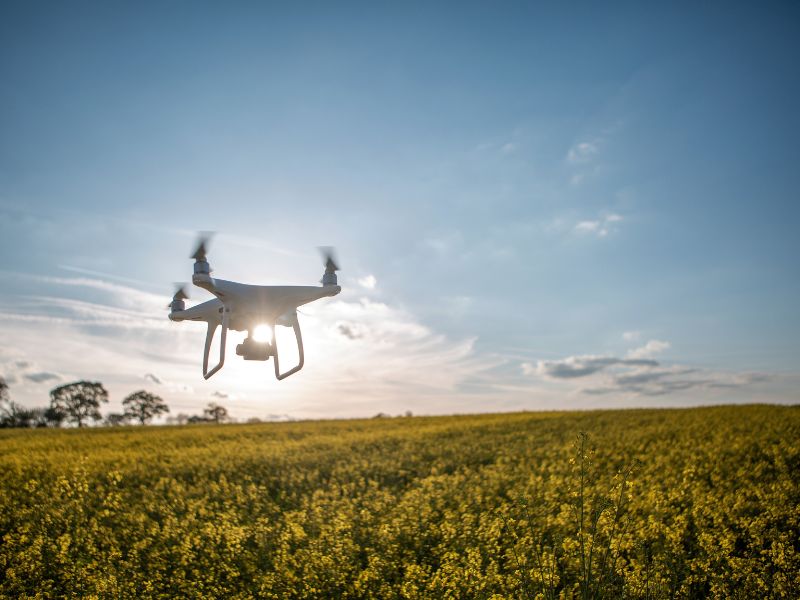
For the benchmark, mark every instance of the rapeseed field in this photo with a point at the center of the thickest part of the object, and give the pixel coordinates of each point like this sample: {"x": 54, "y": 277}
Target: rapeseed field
{"x": 615, "y": 504}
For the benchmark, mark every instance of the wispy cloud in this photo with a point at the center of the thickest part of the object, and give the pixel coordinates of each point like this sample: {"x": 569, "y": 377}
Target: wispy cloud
{"x": 637, "y": 374}
{"x": 665, "y": 381}
{"x": 350, "y": 330}
{"x": 377, "y": 355}
{"x": 650, "y": 349}
{"x": 582, "y": 152}
{"x": 368, "y": 282}
{"x": 601, "y": 227}
{"x": 42, "y": 376}
{"x": 509, "y": 148}
{"x": 104, "y": 275}
{"x": 26, "y": 371}
{"x": 581, "y": 366}
{"x": 153, "y": 378}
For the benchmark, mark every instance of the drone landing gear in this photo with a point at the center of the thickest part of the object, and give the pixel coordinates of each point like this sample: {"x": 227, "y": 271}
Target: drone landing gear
{"x": 298, "y": 336}
{"x": 212, "y": 327}
{"x": 250, "y": 349}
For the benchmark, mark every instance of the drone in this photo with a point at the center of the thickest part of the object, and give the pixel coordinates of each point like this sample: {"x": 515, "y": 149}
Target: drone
{"x": 244, "y": 307}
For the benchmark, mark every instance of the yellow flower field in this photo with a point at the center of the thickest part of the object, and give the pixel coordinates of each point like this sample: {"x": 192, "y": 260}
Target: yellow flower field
{"x": 641, "y": 504}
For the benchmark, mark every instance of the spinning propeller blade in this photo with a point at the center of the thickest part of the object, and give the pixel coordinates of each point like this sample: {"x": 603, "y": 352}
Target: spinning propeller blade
{"x": 180, "y": 294}
{"x": 203, "y": 238}
{"x": 329, "y": 259}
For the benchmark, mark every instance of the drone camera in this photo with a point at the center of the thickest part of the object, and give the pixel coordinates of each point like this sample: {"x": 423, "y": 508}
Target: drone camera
{"x": 253, "y": 350}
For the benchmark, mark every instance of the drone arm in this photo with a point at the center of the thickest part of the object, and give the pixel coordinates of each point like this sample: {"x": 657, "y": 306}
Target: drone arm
{"x": 212, "y": 327}
{"x": 298, "y": 336}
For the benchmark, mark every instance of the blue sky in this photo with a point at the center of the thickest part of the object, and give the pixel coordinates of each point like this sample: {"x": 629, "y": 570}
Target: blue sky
{"x": 535, "y": 207}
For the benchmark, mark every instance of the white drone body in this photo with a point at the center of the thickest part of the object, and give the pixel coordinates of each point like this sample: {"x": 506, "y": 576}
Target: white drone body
{"x": 243, "y": 307}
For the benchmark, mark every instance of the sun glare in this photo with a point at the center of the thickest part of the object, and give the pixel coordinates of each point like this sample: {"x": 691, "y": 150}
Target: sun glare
{"x": 262, "y": 333}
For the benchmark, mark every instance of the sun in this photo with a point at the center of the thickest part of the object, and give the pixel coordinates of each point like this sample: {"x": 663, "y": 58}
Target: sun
{"x": 262, "y": 333}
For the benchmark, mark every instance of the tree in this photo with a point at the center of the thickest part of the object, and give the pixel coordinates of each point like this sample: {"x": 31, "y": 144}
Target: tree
{"x": 215, "y": 412}
{"x": 11, "y": 413}
{"x": 79, "y": 401}
{"x": 115, "y": 419}
{"x": 54, "y": 416}
{"x": 6, "y": 405}
{"x": 14, "y": 415}
{"x": 179, "y": 419}
{"x": 143, "y": 406}
{"x": 34, "y": 417}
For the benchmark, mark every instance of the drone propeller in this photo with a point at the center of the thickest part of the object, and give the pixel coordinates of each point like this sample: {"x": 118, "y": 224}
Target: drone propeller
{"x": 329, "y": 259}
{"x": 180, "y": 292}
{"x": 203, "y": 238}
{"x": 180, "y": 295}
{"x": 201, "y": 266}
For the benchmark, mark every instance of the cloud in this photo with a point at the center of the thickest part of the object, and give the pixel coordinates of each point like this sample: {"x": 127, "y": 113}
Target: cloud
{"x": 22, "y": 370}
{"x": 582, "y": 366}
{"x": 649, "y": 349}
{"x": 350, "y": 330}
{"x": 600, "y": 227}
{"x": 509, "y": 148}
{"x": 631, "y": 336}
{"x": 129, "y": 297}
{"x": 665, "y": 381}
{"x": 398, "y": 363}
{"x": 101, "y": 304}
{"x": 642, "y": 377}
{"x": 41, "y": 377}
{"x": 154, "y": 378}
{"x": 369, "y": 282}
{"x": 528, "y": 369}
{"x": 56, "y": 310}
{"x": 638, "y": 374}
{"x": 582, "y": 152}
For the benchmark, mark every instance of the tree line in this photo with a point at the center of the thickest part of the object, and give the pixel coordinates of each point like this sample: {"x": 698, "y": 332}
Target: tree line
{"x": 79, "y": 404}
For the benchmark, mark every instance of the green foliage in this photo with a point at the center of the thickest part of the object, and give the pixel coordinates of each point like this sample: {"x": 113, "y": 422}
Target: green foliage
{"x": 490, "y": 506}
{"x": 115, "y": 419}
{"x": 142, "y": 406}
{"x": 216, "y": 413}
{"x": 79, "y": 402}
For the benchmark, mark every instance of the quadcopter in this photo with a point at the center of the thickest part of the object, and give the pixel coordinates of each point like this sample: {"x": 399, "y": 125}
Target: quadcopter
{"x": 244, "y": 307}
